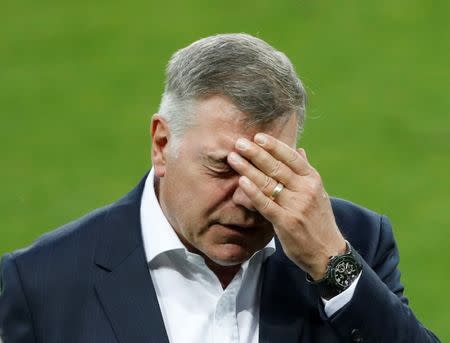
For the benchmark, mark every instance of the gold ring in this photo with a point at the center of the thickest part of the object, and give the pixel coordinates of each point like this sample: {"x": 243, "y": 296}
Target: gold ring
{"x": 276, "y": 191}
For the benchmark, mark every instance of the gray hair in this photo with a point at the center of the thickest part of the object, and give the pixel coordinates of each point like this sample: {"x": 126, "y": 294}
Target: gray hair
{"x": 258, "y": 79}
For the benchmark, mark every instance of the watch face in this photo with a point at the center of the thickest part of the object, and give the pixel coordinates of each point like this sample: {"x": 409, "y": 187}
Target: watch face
{"x": 345, "y": 271}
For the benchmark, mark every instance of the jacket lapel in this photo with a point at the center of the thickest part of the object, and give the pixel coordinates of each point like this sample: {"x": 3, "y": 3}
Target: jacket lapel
{"x": 286, "y": 300}
{"x": 122, "y": 278}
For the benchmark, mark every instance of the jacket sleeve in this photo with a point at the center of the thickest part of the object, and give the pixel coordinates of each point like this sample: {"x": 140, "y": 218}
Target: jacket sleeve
{"x": 15, "y": 317}
{"x": 378, "y": 310}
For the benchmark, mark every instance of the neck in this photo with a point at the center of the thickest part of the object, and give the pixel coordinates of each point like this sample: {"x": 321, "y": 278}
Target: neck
{"x": 224, "y": 273}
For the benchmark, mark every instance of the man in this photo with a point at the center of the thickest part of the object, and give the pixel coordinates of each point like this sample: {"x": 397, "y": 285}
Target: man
{"x": 231, "y": 237}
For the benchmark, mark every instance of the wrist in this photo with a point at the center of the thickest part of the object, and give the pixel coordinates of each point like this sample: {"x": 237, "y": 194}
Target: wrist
{"x": 341, "y": 271}
{"x": 319, "y": 270}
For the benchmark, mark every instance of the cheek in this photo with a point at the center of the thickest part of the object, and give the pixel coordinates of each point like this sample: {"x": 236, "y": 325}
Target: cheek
{"x": 201, "y": 191}
{"x": 205, "y": 196}
{"x": 197, "y": 196}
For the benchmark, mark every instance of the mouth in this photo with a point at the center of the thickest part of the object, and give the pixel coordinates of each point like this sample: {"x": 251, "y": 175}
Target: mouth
{"x": 240, "y": 224}
{"x": 241, "y": 228}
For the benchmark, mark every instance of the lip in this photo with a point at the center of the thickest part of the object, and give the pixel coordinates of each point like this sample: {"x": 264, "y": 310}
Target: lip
{"x": 239, "y": 227}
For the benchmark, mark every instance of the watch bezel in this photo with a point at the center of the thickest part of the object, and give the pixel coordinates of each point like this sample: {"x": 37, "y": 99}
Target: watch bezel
{"x": 336, "y": 275}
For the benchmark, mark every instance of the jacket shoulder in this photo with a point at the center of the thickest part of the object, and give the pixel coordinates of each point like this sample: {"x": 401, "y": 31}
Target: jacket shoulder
{"x": 73, "y": 245}
{"x": 349, "y": 215}
{"x": 64, "y": 243}
{"x": 362, "y": 227}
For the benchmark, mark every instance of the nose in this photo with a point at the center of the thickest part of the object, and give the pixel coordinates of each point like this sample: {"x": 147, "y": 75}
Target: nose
{"x": 239, "y": 198}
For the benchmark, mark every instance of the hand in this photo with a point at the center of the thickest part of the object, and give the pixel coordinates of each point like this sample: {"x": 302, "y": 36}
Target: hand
{"x": 301, "y": 214}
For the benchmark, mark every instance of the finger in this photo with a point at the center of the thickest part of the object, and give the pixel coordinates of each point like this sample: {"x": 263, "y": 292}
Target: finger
{"x": 302, "y": 152}
{"x": 267, "y": 164}
{"x": 283, "y": 152}
{"x": 264, "y": 182}
{"x": 263, "y": 204}
{"x": 240, "y": 198}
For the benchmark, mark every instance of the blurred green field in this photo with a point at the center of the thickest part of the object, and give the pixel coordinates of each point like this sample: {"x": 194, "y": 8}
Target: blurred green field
{"x": 81, "y": 79}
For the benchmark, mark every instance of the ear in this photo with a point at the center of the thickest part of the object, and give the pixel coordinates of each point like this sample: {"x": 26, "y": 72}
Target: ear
{"x": 160, "y": 139}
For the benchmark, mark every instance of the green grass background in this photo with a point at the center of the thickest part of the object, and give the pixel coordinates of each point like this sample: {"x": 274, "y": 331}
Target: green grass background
{"x": 81, "y": 79}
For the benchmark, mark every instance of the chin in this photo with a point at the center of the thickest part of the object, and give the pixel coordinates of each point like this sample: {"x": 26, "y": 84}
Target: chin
{"x": 231, "y": 255}
{"x": 225, "y": 263}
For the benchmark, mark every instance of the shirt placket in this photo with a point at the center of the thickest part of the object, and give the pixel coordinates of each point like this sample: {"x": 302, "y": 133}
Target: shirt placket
{"x": 225, "y": 327}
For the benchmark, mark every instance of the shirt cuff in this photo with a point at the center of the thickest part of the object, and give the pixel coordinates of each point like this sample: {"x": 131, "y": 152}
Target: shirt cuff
{"x": 339, "y": 301}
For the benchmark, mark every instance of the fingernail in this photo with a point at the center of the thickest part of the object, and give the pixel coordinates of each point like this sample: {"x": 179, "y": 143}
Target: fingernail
{"x": 242, "y": 144}
{"x": 260, "y": 139}
{"x": 235, "y": 158}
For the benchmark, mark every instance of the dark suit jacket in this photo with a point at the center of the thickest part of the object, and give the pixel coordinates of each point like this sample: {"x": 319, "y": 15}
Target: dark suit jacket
{"x": 89, "y": 282}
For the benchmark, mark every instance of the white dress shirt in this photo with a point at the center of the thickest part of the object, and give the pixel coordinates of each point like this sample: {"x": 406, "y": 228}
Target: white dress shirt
{"x": 194, "y": 306}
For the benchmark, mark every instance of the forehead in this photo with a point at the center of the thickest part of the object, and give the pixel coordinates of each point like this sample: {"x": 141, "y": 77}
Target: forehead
{"x": 219, "y": 123}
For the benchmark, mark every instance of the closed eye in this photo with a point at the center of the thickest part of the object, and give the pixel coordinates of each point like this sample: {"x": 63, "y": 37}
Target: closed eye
{"x": 222, "y": 172}
{"x": 218, "y": 166}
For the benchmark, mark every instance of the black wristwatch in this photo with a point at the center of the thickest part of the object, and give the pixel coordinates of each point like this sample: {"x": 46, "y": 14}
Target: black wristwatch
{"x": 342, "y": 270}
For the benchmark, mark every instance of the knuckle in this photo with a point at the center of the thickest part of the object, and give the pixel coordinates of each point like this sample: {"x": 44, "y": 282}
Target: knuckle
{"x": 266, "y": 186}
{"x": 293, "y": 156}
{"x": 265, "y": 204}
{"x": 275, "y": 170}
{"x": 315, "y": 174}
{"x": 315, "y": 186}
{"x": 311, "y": 191}
{"x": 309, "y": 196}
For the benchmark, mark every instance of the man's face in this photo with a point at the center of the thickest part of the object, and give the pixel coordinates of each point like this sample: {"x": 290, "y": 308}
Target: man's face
{"x": 199, "y": 192}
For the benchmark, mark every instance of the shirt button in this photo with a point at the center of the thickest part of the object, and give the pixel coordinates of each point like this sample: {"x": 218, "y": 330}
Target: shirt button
{"x": 356, "y": 336}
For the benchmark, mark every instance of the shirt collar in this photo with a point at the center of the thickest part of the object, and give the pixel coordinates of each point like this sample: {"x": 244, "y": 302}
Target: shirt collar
{"x": 158, "y": 235}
